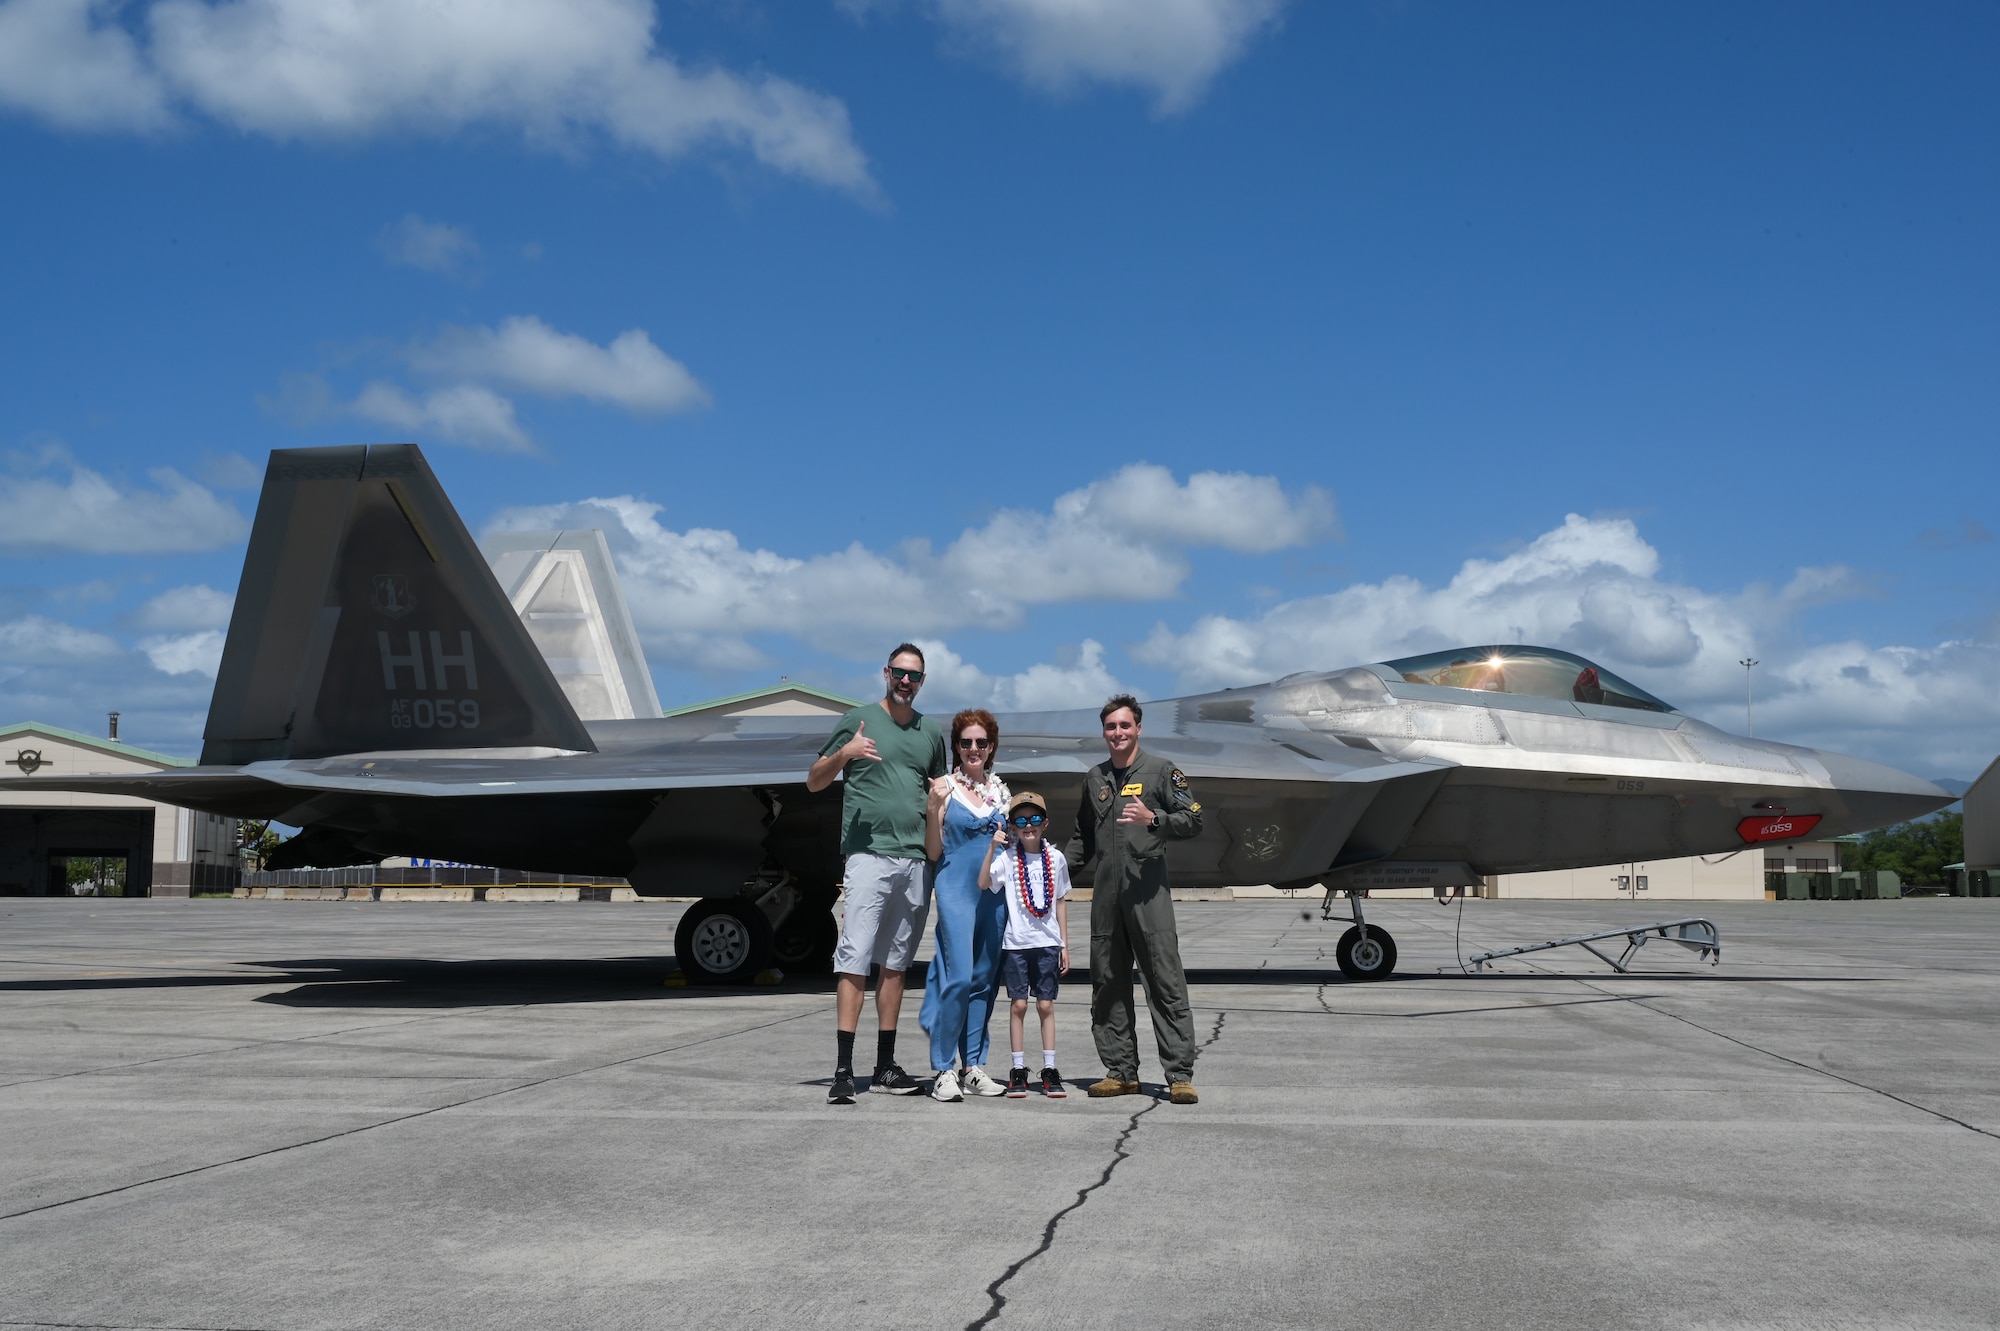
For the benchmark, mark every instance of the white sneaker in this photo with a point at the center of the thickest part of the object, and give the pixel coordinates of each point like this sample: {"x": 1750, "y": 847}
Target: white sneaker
{"x": 976, "y": 1082}
{"x": 945, "y": 1088}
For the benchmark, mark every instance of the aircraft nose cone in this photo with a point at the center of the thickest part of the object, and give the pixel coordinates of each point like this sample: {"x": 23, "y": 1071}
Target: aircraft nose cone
{"x": 1876, "y": 795}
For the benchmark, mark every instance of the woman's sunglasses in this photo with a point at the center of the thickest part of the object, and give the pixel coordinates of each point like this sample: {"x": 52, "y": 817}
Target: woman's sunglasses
{"x": 975, "y": 744}
{"x": 907, "y": 676}
{"x": 1029, "y": 820}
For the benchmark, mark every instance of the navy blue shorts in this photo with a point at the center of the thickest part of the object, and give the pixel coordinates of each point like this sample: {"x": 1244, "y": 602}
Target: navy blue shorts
{"x": 1031, "y": 972}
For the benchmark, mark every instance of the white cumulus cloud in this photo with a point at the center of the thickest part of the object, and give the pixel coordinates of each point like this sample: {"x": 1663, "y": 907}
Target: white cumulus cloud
{"x": 1593, "y": 586}
{"x": 1170, "y": 48}
{"x": 34, "y": 640}
{"x": 185, "y": 653}
{"x": 88, "y": 513}
{"x": 556, "y": 71}
{"x": 1078, "y": 678}
{"x": 179, "y": 609}
{"x": 434, "y": 247}
{"x": 467, "y": 368}
{"x": 460, "y": 414}
{"x": 71, "y": 676}
{"x": 699, "y": 595}
{"x": 527, "y": 354}
{"x": 69, "y": 62}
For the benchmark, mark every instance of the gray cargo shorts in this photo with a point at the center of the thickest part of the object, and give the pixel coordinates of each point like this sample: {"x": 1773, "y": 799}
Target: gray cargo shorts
{"x": 888, "y": 900}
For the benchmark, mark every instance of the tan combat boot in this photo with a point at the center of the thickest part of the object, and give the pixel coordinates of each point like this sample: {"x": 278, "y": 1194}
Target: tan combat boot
{"x": 1098, "y": 1090}
{"x": 1182, "y": 1093}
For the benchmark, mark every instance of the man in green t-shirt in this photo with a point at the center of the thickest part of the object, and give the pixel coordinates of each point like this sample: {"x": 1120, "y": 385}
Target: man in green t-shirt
{"x": 888, "y": 753}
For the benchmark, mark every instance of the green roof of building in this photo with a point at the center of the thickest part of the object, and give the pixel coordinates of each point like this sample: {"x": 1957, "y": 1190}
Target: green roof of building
{"x": 785, "y": 686}
{"x": 95, "y": 742}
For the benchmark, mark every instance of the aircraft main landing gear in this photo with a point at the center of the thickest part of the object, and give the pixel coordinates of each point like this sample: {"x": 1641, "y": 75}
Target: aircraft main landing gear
{"x": 806, "y": 936}
{"x": 784, "y": 923}
{"x": 723, "y": 940}
{"x": 1365, "y": 952}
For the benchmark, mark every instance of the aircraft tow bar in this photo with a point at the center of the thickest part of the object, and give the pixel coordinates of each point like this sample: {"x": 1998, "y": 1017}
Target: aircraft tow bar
{"x": 1694, "y": 933}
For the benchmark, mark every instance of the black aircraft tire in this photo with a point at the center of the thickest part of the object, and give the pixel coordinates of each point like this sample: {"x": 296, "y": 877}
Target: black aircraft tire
{"x": 723, "y": 940}
{"x": 1373, "y": 960}
{"x": 805, "y": 941}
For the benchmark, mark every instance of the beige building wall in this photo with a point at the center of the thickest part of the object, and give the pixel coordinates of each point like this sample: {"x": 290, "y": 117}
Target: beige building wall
{"x": 190, "y": 851}
{"x": 1737, "y": 876}
{"x": 1734, "y": 877}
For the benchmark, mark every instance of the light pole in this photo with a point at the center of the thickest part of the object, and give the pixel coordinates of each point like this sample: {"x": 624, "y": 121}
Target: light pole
{"x": 1748, "y": 663}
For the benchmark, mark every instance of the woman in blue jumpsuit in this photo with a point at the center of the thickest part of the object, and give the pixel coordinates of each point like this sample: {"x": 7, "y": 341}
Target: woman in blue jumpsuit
{"x": 965, "y": 809}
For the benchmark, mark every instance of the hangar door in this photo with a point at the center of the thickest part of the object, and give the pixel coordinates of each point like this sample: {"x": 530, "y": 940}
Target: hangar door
{"x": 56, "y": 852}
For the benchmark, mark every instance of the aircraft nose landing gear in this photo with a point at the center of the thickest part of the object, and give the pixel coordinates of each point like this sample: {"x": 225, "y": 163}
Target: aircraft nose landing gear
{"x": 1369, "y": 955}
{"x": 1365, "y": 952}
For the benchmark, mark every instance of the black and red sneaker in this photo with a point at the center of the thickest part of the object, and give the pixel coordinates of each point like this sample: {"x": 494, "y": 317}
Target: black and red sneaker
{"x": 1017, "y": 1084}
{"x": 1052, "y": 1085}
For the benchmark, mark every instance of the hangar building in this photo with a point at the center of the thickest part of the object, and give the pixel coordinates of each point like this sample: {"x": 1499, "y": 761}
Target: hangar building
{"x": 131, "y": 847}
{"x": 1982, "y": 820}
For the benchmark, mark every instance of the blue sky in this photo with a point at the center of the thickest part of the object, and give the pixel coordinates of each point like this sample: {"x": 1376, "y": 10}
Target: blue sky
{"x": 1665, "y": 333}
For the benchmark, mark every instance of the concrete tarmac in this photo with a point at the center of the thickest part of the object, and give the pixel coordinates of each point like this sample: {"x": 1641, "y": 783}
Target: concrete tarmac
{"x": 289, "y": 1116}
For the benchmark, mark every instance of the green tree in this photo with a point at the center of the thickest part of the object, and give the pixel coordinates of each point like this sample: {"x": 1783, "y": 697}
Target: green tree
{"x": 257, "y": 840}
{"x": 1916, "y": 851}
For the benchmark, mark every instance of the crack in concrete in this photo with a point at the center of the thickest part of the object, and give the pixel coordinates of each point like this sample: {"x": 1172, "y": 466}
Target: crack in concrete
{"x": 252, "y": 1044}
{"x": 401, "y": 1118}
{"x": 1118, "y": 1156}
{"x": 1807, "y": 1067}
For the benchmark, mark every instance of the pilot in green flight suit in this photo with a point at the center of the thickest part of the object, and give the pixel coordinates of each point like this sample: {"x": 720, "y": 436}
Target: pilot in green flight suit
{"x": 1132, "y": 803}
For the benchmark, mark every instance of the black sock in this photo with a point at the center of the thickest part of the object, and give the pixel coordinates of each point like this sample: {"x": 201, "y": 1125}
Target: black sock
{"x": 885, "y": 1049}
{"x": 843, "y": 1061}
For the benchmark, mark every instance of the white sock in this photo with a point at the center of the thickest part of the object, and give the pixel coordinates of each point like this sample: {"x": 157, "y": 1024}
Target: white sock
{"x": 1048, "y": 1058}
{"x": 1020, "y": 1059}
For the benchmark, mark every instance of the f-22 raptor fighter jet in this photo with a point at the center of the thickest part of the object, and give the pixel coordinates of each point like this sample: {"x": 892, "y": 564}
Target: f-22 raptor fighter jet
{"x": 378, "y": 691}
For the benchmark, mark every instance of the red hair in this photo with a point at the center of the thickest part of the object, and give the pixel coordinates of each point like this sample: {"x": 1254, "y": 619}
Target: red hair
{"x": 976, "y": 716}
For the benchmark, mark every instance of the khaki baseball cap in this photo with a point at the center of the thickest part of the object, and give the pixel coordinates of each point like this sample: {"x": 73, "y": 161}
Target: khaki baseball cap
{"x": 1026, "y": 797}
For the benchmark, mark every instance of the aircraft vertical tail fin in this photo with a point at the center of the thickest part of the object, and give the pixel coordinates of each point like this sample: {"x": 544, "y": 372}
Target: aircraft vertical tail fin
{"x": 366, "y": 619}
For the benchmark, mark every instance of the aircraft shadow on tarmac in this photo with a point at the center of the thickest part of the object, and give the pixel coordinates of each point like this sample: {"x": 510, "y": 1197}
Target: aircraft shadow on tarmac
{"x": 415, "y": 982}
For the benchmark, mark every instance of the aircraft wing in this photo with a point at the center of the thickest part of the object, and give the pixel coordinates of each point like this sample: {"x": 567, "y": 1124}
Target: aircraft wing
{"x": 723, "y": 759}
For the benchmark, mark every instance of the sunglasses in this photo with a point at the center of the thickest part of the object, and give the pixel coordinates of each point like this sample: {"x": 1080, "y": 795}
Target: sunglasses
{"x": 975, "y": 744}
{"x": 1029, "y": 820}
{"x": 907, "y": 676}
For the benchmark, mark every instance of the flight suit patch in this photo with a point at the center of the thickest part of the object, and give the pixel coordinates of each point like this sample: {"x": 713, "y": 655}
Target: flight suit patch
{"x": 1103, "y": 793}
{"x": 1134, "y": 788}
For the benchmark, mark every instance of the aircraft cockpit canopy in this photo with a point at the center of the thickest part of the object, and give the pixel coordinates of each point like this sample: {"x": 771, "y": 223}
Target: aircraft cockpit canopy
{"x": 1538, "y": 672}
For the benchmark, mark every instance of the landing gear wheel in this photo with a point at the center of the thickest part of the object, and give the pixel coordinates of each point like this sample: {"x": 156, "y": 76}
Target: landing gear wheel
{"x": 723, "y": 940}
{"x": 805, "y": 941}
{"x": 1372, "y": 958}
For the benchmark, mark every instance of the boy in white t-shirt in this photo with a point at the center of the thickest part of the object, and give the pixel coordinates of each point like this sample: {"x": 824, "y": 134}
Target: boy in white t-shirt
{"x": 1035, "y": 949}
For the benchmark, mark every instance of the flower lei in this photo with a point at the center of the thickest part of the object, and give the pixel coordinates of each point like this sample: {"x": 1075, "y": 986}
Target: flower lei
{"x": 992, "y": 790}
{"x": 1040, "y": 912}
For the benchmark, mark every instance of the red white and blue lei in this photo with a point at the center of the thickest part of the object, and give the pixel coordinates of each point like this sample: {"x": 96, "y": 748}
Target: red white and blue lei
{"x": 1048, "y": 902}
